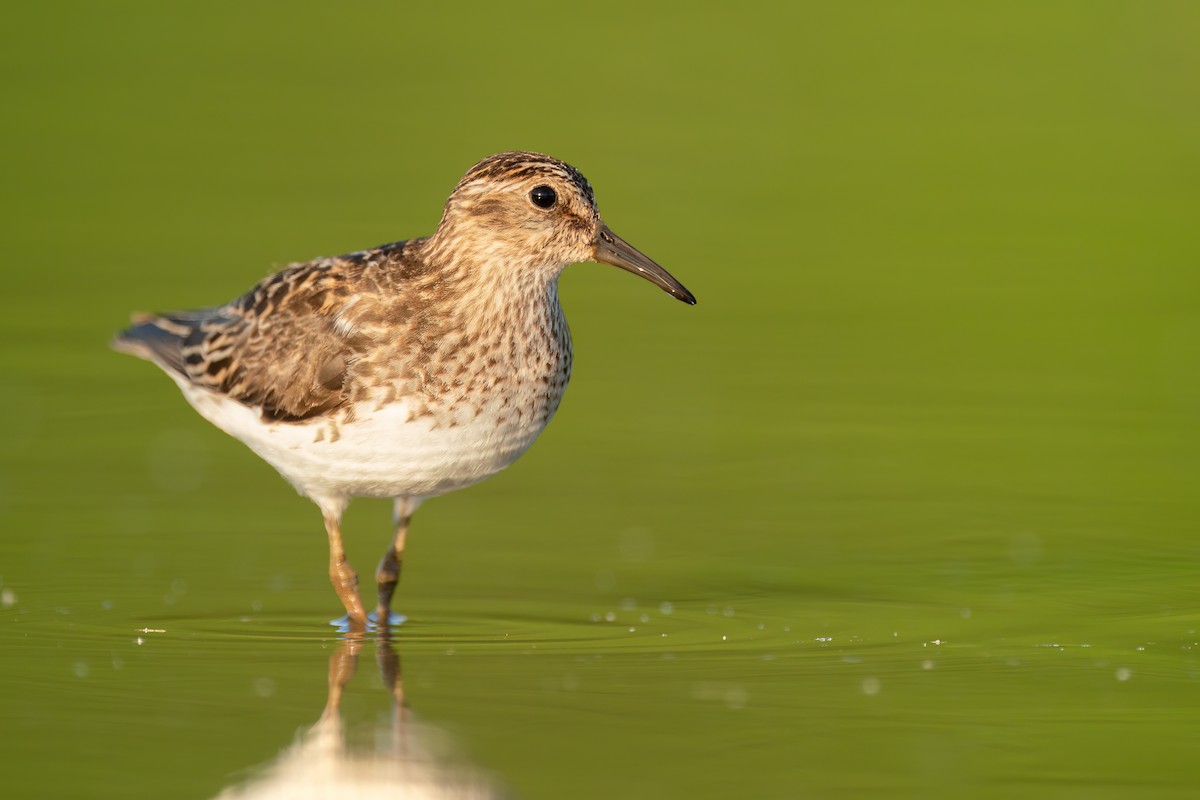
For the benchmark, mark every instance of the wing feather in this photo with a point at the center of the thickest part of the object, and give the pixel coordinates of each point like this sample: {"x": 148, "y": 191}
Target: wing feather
{"x": 287, "y": 346}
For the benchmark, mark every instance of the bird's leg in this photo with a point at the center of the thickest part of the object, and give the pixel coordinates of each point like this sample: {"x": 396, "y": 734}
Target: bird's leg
{"x": 388, "y": 574}
{"x": 341, "y": 574}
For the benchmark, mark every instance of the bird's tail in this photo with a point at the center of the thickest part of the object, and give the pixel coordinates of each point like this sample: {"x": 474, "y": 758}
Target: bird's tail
{"x": 158, "y": 338}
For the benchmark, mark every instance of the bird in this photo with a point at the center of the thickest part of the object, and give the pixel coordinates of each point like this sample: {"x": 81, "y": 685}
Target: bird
{"x": 404, "y": 371}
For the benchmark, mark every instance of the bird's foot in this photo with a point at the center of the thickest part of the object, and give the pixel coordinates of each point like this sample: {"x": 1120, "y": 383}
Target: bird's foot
{"x": 347, "y": 624}
{"x": 394, "y": 620}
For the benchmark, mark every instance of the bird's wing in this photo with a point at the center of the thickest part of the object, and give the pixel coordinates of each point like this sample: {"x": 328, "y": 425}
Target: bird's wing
{"x": 286, "y": 346}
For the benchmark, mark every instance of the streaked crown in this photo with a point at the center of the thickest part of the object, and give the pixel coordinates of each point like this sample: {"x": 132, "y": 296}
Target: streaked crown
{"x": 519, "y": 166}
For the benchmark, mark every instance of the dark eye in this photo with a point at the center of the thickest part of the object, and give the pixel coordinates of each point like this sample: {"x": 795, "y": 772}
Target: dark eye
{"x": 543, "y": 196}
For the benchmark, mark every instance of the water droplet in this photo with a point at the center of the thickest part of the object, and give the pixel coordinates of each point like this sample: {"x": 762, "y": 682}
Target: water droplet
{"x": 1124, "y": 674}
{"x": 870, "y": 686}
{"x": 665, "y": 608}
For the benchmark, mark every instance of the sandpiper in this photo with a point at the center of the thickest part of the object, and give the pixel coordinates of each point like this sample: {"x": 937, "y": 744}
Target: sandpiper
{"x": 408, "y": 370}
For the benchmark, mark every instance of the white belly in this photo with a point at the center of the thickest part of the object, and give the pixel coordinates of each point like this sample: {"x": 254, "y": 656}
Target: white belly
{"x": 380, "y": 453}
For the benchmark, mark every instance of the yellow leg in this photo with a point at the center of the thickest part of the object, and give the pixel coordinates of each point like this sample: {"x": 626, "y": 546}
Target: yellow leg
{"x": 388, "y": 574}
{"x": 341, "y": 574}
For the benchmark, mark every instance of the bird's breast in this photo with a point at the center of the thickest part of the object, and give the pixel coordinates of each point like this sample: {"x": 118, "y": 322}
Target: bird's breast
{"x": 507, "y": 365}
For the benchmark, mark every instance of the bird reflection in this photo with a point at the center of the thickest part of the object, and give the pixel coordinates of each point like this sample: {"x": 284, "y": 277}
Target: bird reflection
{"x": 401, "y": 764}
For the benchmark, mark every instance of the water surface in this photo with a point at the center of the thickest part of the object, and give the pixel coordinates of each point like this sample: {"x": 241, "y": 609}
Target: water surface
{"x": 905, "y": 507}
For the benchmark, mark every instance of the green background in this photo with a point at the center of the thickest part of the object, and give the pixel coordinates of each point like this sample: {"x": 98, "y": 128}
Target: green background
{"x": 906, "y": 506}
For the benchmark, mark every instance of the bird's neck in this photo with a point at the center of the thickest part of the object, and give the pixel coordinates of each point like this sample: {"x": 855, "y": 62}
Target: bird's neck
{"x": 481, "y": 291}
{"x": 484, "y": 275}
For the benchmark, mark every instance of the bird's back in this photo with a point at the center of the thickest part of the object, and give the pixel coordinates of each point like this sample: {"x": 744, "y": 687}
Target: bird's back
{"x": 287, "y": 346}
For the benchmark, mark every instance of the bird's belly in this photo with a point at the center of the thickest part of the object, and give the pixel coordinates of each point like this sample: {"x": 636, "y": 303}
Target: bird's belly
{"x": 376, "y": 452}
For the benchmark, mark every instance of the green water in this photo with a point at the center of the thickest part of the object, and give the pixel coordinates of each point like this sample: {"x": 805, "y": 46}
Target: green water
{"x": 905, "y": 507}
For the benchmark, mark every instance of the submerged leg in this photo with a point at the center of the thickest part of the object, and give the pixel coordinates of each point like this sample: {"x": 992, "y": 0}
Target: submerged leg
{"x": 388, "y": 574}
{"x": 341, "y": 574}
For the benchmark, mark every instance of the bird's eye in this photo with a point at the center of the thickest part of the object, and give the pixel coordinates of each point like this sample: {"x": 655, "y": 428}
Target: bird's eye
{"x": 543, "y": 196}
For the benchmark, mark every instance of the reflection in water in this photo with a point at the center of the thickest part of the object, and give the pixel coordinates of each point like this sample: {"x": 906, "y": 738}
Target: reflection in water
{"x": 323, "y": 764}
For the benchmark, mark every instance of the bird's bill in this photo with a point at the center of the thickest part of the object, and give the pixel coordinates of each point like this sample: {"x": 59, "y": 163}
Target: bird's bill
{"x": 612, "y": 249}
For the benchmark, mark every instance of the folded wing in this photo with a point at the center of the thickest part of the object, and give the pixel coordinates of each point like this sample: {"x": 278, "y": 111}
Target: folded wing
{"x": 286, "y": 347}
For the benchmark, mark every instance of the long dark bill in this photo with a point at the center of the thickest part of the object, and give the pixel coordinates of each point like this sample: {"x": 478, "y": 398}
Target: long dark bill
{"x": 612, "y": 249}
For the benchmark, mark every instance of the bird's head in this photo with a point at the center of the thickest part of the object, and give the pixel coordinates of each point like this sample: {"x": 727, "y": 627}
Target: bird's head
{"x": 520, "y": 208}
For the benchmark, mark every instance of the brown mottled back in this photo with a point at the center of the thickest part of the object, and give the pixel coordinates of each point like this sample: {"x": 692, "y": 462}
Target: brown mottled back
{"x": 291, "y": 344}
